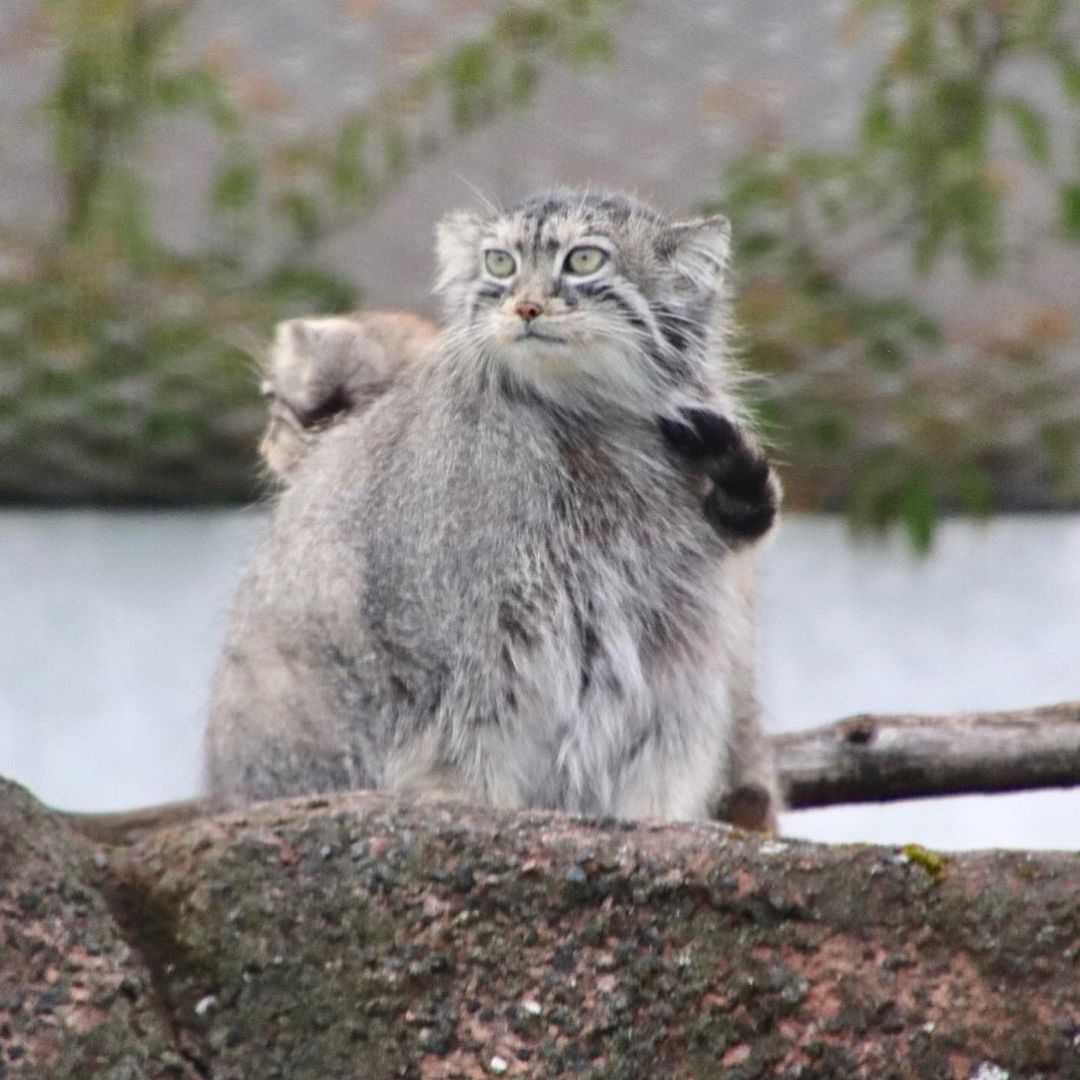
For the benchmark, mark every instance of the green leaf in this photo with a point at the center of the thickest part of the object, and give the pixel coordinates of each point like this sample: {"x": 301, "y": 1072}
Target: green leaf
{"x": 758, "y": 189}
{"x": 236, "y": 186}
{"x": 132, "y": 223}
{"x": 971, "y": 206}
{"x": 197, "y": 88}
{"x": 591, "y": 46}
{"x": 523, "y": 83}
{"x": 470, "y": 67}
{"x": 919, "y": 511}
{"x": 829, "y": 433}
{"x": 174, "y": 425}
{"x": 350, "y": 175}
{"x": 303, "y": 213}
{"x": 310, "y": 289}
{"x": 470, "y": 74}
{"x": 1069, "y": 67}
{"x": 874, "y": 502}
{"x": 185, "y": 88}
{"x": 926, "y": 330}
{"x": 522, "y": 26}
{"x": 1059, "y": 440}
{"x": 886, "y": 354}
{"x": 879, "y": 120}
{"x": 1070, "y": 211}
{"x": 755, "y": 244}
{"x": 396, "y": 150}
{"x": 975, "y": 489}
{"x": 1031, "y": 128}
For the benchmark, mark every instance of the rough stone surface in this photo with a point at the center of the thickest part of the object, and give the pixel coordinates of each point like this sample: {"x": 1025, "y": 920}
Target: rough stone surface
{"x": 356, "y": 936}
{"x": 75, "y": 999}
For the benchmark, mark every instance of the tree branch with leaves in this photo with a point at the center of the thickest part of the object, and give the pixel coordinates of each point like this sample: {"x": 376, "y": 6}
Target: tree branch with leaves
{"x": 879, "y": 407}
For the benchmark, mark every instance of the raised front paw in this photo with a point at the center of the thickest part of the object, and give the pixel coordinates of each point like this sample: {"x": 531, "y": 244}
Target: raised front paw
{"x": 743, "y": 496}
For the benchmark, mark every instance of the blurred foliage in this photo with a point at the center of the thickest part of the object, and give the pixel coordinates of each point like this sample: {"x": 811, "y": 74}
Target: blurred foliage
{"x": 127, "y": 373}
{"x": 875, "y": 407}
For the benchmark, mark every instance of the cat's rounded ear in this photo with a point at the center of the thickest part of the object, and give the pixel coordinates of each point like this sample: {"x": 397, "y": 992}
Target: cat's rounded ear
{"x": 298, "y": 337}
{"x": 699, "y": 250}
{"x": 457, "y": 241}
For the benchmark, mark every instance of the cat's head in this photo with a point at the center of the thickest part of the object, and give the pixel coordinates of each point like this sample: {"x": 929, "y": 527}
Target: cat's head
{"x": 586, "y": 297}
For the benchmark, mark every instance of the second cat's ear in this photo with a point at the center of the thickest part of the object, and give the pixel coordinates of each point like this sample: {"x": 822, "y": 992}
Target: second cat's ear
{"x": 457, "y": 242}
{"x": 699, "y": 251}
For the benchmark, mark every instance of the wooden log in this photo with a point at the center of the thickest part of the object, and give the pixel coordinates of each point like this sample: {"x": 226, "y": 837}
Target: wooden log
{"x": 871, "y": 758}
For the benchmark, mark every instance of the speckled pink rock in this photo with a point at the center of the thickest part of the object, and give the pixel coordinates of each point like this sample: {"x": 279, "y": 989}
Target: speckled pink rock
{"x": 360, "y": 937}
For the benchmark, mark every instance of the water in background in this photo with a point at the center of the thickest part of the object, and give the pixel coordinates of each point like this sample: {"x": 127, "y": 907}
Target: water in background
{"x": 109, "y": 625}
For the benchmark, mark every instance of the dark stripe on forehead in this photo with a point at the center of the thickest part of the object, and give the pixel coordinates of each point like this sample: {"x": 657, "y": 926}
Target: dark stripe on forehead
{"x": 594, "y": 209}
{"x": 618, "y": 209}
{"x": 541, "y": 207}
{"x": 549, "y": 208}
{"x": 538, "y": 229}
{"x": 533, "y": 216}
{"x": 528, "y": 234}
{"x": 540, "y": 239}
{"x": 598, "y": 207}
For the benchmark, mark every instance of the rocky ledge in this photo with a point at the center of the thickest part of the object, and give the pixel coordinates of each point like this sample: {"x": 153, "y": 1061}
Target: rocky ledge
{"x": 360, "y": 937}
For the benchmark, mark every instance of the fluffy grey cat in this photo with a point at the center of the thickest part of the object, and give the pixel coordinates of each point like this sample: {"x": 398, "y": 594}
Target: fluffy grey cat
{"x": 521, "y": 576}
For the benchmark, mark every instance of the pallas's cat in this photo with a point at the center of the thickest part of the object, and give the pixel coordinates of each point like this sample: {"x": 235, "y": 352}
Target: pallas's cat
{"x": 521, "y": 576}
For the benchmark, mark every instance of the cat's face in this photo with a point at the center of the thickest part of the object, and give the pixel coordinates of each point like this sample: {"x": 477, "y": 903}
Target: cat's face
{"x": 585, "y": 296}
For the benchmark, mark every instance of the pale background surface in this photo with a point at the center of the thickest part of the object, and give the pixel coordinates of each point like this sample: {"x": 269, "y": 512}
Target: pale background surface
{"x": 109, "y": 625}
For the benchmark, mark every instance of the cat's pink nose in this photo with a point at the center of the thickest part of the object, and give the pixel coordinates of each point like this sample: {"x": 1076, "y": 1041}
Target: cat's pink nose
{"x": 528, "y": 309}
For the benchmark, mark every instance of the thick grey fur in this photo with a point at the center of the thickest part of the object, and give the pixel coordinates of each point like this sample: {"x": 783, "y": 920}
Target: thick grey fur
{"x": 322, "y": 369}
{"x": 498, "y": 584}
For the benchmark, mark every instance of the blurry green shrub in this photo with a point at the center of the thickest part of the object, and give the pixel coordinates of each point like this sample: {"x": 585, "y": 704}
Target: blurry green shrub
{"x": 127, "y": 373}
{"x": 875, "y": 409}
{"x": 127, "y": 366}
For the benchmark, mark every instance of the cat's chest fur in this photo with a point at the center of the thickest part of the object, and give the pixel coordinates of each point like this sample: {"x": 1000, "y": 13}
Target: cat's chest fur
{"x": 486, "y": 497}
{"x": 540, "y": 585}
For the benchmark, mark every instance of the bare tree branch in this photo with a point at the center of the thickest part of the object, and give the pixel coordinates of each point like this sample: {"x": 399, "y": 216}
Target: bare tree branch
{"x": 883, "y": 758}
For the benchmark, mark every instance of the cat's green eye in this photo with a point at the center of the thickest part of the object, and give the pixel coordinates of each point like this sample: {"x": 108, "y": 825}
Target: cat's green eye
{"x": 585, "y": 260}
{"x": 499, "y": 263}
